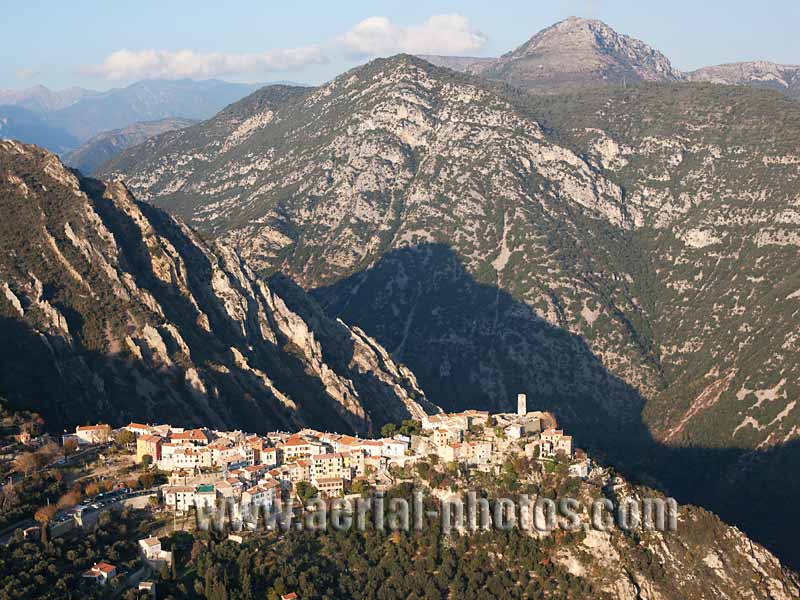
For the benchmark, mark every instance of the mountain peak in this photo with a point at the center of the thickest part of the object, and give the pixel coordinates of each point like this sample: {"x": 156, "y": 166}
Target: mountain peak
{"x": 577, "y": 52}
{"x": 574, "y": 21}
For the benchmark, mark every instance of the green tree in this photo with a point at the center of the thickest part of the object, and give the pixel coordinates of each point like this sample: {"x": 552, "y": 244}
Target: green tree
{"x": 124, "y": 438}
{"x": 305, "y": 491}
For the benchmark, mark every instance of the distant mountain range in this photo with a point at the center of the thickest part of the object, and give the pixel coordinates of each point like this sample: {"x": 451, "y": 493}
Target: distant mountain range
{"x": 62, "y": 120}
{"x": 147, "y": 101}
{"x": 578, "y": 53}
{"x": 20, "y": 123}
{"x": 104, "y": 146}
{"x": 42, "y": 99}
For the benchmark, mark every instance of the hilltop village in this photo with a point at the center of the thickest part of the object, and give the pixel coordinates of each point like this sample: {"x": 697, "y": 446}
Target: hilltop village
{"x": 141, "y": 483}
{"x": 204, "y": 466}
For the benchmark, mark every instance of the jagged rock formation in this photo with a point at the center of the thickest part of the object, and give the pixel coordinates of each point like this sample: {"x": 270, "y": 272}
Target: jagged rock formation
{"x": 104, "y": 146}
{"x": 571, "y": 54}
{"x": 763, "y": 74}
{"x": 703, "y": 558}
{"x": 112, "y": 310}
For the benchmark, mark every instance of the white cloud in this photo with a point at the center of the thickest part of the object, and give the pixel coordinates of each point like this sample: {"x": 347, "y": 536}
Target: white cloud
{"x": 375, "y": 36}
{"x": 440, "y": 34}
{"x": 143, "y": 64}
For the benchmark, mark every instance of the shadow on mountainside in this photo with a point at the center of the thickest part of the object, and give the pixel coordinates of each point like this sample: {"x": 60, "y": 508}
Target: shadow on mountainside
{"x": 70, "y": 381}
{"x": 472, "y": 345}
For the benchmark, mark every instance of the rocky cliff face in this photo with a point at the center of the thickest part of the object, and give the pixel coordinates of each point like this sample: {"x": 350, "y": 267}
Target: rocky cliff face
{"x": 783, "y": 78}
{"x": 703, "y": 558}
{"x": 716, "y": 202}
{"x": 112, "y": 310}
{"x": 104, "y": 146}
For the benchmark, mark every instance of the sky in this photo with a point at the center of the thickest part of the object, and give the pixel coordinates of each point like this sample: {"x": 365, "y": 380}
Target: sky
{"x": 101, "y": 44}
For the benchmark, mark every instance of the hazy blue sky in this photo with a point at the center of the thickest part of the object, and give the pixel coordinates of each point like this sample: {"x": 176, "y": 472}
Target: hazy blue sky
{"x": 105, "y": 44}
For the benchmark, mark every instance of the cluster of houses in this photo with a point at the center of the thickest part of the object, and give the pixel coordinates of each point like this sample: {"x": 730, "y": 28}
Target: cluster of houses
{"x": 252, "y": 469}
{"x": 477, "y": 438}
{"x": 206, "y": 466}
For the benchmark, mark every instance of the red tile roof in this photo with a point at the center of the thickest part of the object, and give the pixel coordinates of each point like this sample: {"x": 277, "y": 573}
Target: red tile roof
{"x": 295, "y": 441}
{"x": 101, "y": 567}
{"x": 192, "y": 434}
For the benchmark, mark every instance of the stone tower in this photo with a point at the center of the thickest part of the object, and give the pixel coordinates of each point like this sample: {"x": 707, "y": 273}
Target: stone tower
{"x": 522, "y": 405}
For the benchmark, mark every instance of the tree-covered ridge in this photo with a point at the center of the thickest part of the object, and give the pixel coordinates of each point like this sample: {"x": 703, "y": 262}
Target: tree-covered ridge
{"x": 384, "y": 565}
{"x": 703, "y": 557}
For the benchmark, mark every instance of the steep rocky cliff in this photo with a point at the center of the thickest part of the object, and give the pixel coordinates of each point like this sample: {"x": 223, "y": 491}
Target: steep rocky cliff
{"x": 112, "y": 310}
{"x": 702, "y": 558}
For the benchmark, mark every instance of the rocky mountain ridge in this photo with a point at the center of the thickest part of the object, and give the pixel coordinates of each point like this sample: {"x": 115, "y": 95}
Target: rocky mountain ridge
{"x": 577, "y": 53}
{"x": 394, "y": 188}
{"x": 762, "y": 74}
{"x": 703, "y": 558}
{"x": 112, "y": 310}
